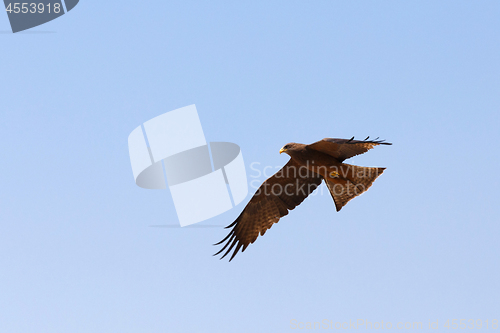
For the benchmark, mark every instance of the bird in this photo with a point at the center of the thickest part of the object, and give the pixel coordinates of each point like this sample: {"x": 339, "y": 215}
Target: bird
{"x": 308, "y": 167}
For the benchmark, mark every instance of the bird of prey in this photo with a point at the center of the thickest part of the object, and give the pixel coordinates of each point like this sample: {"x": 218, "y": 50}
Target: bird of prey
{"x": 308, "y": 166}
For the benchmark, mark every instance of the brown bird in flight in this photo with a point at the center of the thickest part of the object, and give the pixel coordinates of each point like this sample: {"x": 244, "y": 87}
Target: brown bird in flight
{"x": 286, "y": 189}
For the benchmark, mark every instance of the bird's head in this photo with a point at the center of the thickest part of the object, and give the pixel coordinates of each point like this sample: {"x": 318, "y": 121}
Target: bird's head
{"x": 290, "y": 148}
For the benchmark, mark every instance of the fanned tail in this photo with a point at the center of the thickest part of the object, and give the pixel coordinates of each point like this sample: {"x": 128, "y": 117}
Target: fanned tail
{"x": 351, "y": 181}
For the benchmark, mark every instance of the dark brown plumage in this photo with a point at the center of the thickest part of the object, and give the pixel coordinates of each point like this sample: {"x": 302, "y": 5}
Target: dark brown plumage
{"x": 285, "y": 190}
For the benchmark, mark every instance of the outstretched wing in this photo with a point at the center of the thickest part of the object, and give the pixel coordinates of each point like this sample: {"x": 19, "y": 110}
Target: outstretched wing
{"x": 343, "y": 149}
{"x": 280, "y": 193}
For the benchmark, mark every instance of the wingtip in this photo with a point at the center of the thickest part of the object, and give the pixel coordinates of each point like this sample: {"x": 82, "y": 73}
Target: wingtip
{"x": 232, "y": 224}
{"x": 380, "y": 142}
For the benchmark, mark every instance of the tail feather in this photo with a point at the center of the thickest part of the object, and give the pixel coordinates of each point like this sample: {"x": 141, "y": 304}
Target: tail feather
{"x": 352, "y": 181}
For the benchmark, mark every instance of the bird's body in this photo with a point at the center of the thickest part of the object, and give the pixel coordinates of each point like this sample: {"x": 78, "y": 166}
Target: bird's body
{"x": 308, "y": 166}
{"x": 313, "y": 160}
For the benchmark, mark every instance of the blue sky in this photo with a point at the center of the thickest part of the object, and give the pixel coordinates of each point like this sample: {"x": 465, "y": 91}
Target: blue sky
{"x": 77, "y": 250}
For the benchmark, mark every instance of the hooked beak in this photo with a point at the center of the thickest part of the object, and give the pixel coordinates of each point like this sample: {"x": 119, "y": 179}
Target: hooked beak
{"x": 282, "y": 150}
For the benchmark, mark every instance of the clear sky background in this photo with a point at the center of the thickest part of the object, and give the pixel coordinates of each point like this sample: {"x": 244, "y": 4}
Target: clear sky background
{"x": 78, "y": 252}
